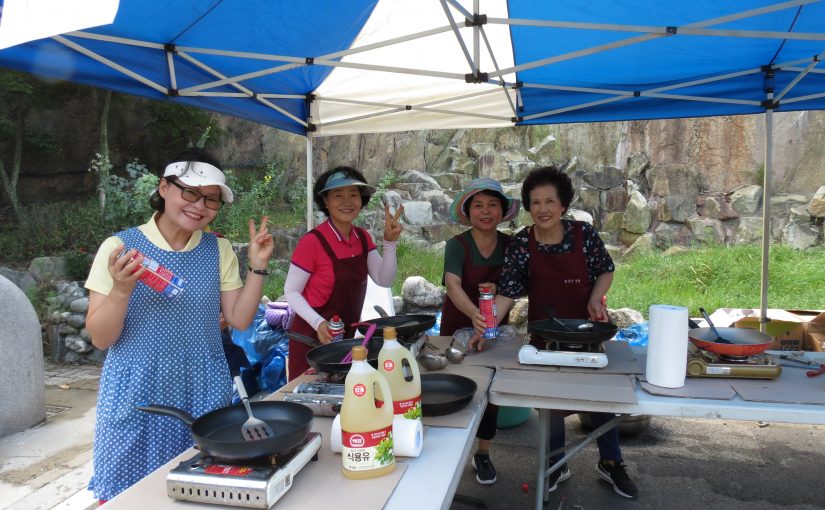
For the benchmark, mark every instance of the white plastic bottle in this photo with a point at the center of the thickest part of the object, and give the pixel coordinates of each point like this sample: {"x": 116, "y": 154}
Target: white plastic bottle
{"x": 399, "y": 368}
{"x": 366, "y": 428}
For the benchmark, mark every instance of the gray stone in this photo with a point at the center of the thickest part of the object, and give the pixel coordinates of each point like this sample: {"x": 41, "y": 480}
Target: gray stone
{"x": 414, "y": 176}
{"x": 637, "y": 216}
{"x": 624, "y": 317}
{"x": 816, "y": 207}
{"x": 65, "y": 329}
{"x": 77, "y": 344}
{"x": 76, "y": 320}
{"x": 84, "y": 334}
{"x": 716, "y": 207}
{"x": 393, "y": 198}
{"x": 676, "y": 208}
{"x": 643, "y": 245}
{"x": 589, "y": 198}
{"x": 518, "y": 313}
{"x": 451, "y": 180}
{"x": 398, "y": 304}
{"x": 418, "y": 212}
{"x": 22, "y": 392}
{"x": 616, "y": 251}
{"x": 668, "y": 234}
{"x": 45, "y": 269}
{"x": 478, "y": 150}
{"x": 615, "y": 200}
{"x": 798, "y": 233}
{"x": 604, "y": 177}
{"x": 668, "y": 180}
{"x": 418, "y": 292}
{"x": 80, "y": 305}
{"x": 22, "y": 279}
{"x": 613, "y": 222}
{"x": 747, "y": 199}
{"x": 570, "y": 165}
{"x": 441, "y": 231}
{"x": 579, "y": 215}
{"x": 675, "y": 250}
{"x": 56, "y": 345}
{"x": 637, "y": 164}
{"x": 439, "y": 201}
{"x": 628, "y": 238}
{"x": 707, "y": 230}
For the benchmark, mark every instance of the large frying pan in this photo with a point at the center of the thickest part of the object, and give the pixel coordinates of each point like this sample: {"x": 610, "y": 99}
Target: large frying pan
{"x": 327, "y": 357}
{"x": 218, "y": 432}
{"x": 735, "y": 341}
{"x": 445, "y": 393}
{"x": 551, "y": 330}
{"x": 406, "y": 326}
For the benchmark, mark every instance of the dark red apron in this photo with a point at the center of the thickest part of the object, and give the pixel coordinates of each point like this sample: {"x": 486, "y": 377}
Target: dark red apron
{"x": 346, "y": 300}
{"x": 452, "y": 319}
{"x": 558, "y": 280}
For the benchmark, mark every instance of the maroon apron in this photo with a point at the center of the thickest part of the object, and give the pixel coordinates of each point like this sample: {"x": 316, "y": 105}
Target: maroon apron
{"x": 346, "y": 300}
{"x": 452, "y": 319}
{"x": 558, "y": 280}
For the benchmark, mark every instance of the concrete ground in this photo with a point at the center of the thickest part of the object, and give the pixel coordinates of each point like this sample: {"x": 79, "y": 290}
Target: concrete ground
{"x": 677, "y": 463}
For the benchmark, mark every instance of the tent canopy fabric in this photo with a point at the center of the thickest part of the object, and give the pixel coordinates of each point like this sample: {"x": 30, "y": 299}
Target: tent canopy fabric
{"x": 329, "y": 67}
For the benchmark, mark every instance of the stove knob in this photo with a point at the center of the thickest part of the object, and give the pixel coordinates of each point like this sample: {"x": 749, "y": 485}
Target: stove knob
{"x": 695, "y": 367}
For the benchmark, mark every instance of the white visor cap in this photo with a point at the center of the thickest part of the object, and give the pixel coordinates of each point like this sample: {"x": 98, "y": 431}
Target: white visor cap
{"x": 197, "y": 174}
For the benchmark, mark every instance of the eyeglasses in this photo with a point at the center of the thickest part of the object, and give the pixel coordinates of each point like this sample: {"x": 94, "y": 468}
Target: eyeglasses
{"x": 192, "y": 195}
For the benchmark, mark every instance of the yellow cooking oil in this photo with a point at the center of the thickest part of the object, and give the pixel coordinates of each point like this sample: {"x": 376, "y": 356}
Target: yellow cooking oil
{"x": 399, "y": 368}
{"x": 366, "y": 424}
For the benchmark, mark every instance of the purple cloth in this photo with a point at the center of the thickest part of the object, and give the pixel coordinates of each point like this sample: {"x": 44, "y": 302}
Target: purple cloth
{"x": 278, "y": 314}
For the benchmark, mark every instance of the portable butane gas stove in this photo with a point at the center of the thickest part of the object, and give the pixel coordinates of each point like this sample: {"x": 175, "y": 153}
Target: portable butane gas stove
{"x": 324, "y": 397}
{"x": 257, "y": 483}
{"x": 702, "y": 363}
{"x": 564, "y": 354}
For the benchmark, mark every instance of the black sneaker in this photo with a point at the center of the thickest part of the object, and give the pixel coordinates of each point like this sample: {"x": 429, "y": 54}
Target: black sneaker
{"x": 485, "y": 471}
{"x": 558, "y": 476}
{"x": 616, "y": 475}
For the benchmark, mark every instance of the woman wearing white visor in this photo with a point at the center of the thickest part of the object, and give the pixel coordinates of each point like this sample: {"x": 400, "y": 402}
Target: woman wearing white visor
{"x": 165, "y": 348}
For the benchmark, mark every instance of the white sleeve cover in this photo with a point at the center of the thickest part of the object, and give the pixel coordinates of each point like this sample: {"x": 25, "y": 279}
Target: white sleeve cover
{"x": 296, "y": 281}
{"x": 382, "y": 269}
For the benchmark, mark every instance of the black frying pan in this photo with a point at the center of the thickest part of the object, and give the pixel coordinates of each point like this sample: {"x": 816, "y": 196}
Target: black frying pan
{"x": 327, "y": 357}
{"x": 445, "y": 393}
{"x": 549, "y": 329}
{"x": 406, "y": 326}
{"x": 218, "y": 432}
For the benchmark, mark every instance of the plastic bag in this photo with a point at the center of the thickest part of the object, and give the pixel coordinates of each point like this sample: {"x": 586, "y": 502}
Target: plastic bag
{"x": 265, "y": 346}
{"x": 635, "y": 334}
{"x": 436, "y": 329}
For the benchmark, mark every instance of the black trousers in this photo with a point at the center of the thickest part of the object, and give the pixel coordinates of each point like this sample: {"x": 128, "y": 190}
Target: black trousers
{"x": 487, "y": 428}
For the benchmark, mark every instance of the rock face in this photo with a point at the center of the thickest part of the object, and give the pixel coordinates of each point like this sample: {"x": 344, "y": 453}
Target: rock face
{"x": 21, "y": 379}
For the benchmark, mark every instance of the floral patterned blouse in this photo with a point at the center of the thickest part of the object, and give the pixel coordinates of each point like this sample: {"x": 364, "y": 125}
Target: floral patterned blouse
{"x": 515, "y": 274}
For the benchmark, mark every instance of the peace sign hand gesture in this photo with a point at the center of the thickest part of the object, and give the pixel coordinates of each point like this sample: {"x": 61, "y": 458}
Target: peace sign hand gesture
{"x": 261, "y": 244}
{"x": 392, "y": 228}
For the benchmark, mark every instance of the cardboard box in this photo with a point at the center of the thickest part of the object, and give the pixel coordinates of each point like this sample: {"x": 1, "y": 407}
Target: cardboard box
{"x": 792, "y": 330}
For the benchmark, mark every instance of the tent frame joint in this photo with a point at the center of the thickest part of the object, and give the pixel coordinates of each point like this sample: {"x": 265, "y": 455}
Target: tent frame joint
{"x": 172, "y": 92}
{"x": 671, "y": 30}
{"x": 309, "y": 61}
{"x": 477, "y": 77}
{"x": 770, "y": 104}
{"x": 310, "y": 98}
{"x": 516, "y": 120}
{"x": 170, "y": 48}
{"x": 477, "y": 20}
{"x": 311, "y": 128}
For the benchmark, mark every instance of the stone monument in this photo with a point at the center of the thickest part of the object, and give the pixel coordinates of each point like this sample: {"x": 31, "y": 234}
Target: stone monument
{"x": 22, "y": 392}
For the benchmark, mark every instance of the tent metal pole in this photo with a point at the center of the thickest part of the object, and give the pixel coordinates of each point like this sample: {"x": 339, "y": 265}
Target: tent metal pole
{"x": 309, "y": 182}
{"x": 766, "y": 220}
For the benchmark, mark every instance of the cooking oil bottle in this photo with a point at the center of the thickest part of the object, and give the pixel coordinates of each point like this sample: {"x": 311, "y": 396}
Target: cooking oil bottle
{"x": 399, "y": 368}
{"x": 366, "y": 425}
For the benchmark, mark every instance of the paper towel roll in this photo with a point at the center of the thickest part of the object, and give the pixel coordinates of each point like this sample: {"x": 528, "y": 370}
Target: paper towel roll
{"x": 407, "y": 436}
{"x": 667, "y": 344}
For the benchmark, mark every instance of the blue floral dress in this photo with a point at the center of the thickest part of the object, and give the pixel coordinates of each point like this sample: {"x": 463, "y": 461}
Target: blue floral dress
{"x": 169, "y": 353}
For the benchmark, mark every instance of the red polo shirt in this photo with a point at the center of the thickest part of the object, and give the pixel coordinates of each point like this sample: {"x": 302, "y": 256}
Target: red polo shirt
{"x": 311, "y": 257}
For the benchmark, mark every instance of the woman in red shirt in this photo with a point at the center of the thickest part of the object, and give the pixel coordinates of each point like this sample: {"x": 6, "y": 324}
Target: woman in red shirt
{"x": 328, "y": 272}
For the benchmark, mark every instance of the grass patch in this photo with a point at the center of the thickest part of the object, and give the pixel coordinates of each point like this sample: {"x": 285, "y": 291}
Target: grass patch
{"x": 415, "y": 261}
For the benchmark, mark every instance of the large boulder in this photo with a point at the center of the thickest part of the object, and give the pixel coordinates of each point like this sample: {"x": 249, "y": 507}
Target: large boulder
{"x": 749, "y": 231}
{"x": 420, "y": 293}
{"x": 816, "y": 207}
{"x": 707, "y": 230}
{"x": 716, "y": 207}
{"x": 747, "y": 199}
{"x": 799, "y": 233}
{"x": 579, "y": 215}
{"x": 45, "y": 269}
{"x": 624, "y": 317}
{"x": 668, "y": 180}
{"x": 418, "y": 212}
{"x": 22, "y": 392}
{"x": 645, "y": 244}
{"x": 20, "y": 278}
{"x": 439, "y": 201}
{"x": 637, "y": 216}
{"x": 604, "y": 177}
{"x": 441, "y": 231}
{"x": 637, "y": 164}
{"x": 668, "y": 234}
{"x": 451, "y": 180}
{"x": 676, "y": 208}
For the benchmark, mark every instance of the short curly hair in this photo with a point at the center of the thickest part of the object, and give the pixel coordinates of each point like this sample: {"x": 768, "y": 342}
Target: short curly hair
{"x": 544, "y": 176}
{"x": 321, "y": 182}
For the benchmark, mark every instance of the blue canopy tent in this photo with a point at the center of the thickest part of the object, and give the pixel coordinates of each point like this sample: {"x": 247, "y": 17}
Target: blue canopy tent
{"x": 331, "y": 67}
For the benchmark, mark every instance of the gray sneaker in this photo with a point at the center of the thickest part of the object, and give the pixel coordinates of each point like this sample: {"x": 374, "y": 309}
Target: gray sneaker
{"x": 616, "y": 475}
{"x": 558, "y": 476}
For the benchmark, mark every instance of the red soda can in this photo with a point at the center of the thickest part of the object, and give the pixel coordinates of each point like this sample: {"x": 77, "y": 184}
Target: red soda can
{"x": 158, "y": 278}
{"x": 487, "y": 307}
{"x": 336, "y": 328}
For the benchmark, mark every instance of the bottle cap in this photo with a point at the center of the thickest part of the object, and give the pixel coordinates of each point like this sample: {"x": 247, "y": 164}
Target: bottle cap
{"x": 359, "y": 353}
{"x": 336, "y": 318}
{"x": 486, "y": 290}
{"x": 389, "y": 333}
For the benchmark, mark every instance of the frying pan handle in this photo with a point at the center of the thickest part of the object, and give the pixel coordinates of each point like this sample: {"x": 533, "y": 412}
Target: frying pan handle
{"x": 692, "y": 324}
{"x": 380, "y": 311}
{"x": 298, "y": 337}
{"x": 174, "y": 412}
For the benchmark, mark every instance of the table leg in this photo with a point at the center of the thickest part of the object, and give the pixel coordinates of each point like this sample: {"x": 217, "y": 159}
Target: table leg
{"x": 541, "y": 465}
